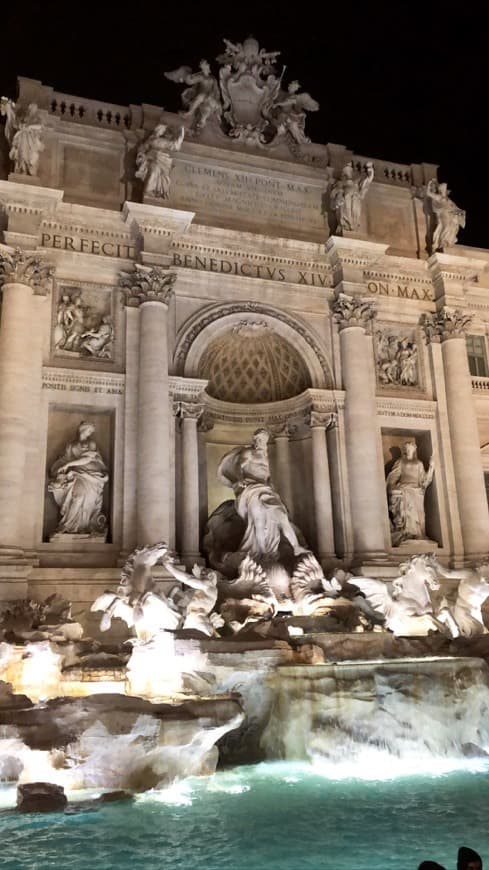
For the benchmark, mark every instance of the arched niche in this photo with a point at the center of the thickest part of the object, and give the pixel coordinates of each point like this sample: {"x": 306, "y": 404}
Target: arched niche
{"x": 213, "y": 324}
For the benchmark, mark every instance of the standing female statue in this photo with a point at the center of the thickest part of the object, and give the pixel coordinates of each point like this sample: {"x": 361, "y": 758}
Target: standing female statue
{"x": 77, "y": 482}
{"x": 449, "y": 217}
{"x": 154, "y": 162}
{"x": 347, "y": 196}
{"x": 407, "y": 483}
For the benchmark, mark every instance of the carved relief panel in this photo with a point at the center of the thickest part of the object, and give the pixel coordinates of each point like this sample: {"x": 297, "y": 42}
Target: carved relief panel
{"x": 83, "y": 322}
{"x": 396, "y": 358}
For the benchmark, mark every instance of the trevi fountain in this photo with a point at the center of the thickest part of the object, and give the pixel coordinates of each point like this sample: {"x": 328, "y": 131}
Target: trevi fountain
{"x": 244, "y": 530}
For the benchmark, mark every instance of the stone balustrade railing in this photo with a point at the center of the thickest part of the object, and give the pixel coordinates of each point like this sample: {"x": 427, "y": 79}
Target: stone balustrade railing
{"x": 385, "y": 170}
{"x": 92, "y": 112}
{"x": 96, "y": 113}
{"x": 479, "y": 383}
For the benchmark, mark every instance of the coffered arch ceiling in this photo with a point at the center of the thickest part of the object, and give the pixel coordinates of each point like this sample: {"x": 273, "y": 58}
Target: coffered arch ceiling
{"x": 251, "y": 353}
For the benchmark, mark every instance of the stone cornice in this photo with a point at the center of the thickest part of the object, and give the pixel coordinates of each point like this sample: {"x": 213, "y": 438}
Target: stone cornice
{"x": 396, "y": 274}
{"x": 28, "y": 198}
{"x": 186, "y": 389}
{"x": 449, "y": 269}
{"x": 25, "y": 267}
{"x": 99, "y": 230}
{"x": 156, "y": 219}
{"x": 254, "y": 256}
{"x": 347, "y": 255}
{"x": 285, "y": 416}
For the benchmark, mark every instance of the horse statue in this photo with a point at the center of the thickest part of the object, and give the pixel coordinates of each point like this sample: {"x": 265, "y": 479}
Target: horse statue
{"x": 135, "y": 602}
{"x": 464, "y": 618}
{"x": 408, "y": 610}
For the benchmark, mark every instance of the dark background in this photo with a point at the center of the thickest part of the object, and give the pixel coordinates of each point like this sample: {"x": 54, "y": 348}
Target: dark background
{"x": 406, "y": 82}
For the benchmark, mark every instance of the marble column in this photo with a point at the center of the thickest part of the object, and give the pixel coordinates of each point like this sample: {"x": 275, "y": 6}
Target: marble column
{"x": 190, "y": 414}
{"x": 22, "y": 274}
{"x": 284, "y": 481}
{"x": 151, "y": 288}
{"x": 323, "y": 507}
{"x": 365, "y": 472}
{"x": 449, "y": 326}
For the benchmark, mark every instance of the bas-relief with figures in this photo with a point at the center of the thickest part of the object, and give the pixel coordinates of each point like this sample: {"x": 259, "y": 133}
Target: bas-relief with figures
{"x": 238, "y": 424}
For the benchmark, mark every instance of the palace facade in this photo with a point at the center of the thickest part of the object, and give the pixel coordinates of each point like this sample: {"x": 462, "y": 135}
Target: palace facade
{"x": 176, "y": 321}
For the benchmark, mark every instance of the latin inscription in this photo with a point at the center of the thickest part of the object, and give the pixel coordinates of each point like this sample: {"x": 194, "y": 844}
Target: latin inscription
{"x": 87, "y": 246}
{"x": 72, "y": 386}
{"x": 402, "y": 291}
{"x": 251, "y": 270}
{"x": 248, "y": 198}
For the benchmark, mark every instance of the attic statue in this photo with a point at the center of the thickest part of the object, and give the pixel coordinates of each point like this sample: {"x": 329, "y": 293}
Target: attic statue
{"x": 347, "y": 197}
{"x": 154, "y": 160}
{"x": 449, "y": 217}
{"x": 201, "y": 98}
{"x": 23, "y": 130}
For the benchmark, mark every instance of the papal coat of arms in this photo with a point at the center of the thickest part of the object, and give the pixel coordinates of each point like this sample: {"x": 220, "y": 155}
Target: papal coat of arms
{"x": 248, "y": 99}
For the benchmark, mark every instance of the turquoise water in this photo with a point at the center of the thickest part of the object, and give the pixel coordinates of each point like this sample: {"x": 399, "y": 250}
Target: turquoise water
{"x": 276, "y": 816}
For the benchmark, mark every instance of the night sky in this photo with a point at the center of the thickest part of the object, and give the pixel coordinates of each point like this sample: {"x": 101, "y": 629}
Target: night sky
{"x": 407, "y": 82}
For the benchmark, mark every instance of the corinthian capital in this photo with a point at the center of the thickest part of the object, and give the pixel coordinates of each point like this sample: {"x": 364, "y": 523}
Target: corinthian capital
{"x": 353, "y": 311}
{"x": 445, "y": 324}
{"x": 25, "y": 267}
{"x": 147, "y": 284}
{"x": 322, "y": 419}
{"x": 189, "y": 410}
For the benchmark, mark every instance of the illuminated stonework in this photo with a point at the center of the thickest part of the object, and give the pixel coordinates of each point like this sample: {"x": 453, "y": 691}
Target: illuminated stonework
{"x": 252, "y": 364}
{"x": 180, "y": 310}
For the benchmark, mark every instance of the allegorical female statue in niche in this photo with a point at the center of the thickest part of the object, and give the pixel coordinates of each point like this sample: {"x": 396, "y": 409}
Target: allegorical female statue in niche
{"x": 407, "y": 483}
{"x": 78, "y": 478}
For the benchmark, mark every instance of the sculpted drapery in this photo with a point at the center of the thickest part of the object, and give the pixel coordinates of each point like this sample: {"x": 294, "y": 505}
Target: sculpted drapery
{"x": 247, "y": 471}
{"x": 77, "y": 482}
{"x": 406, "y": 486}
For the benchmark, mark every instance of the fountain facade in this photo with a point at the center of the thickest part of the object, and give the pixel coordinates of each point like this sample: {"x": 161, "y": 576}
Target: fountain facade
{"x": 242, "y": 450}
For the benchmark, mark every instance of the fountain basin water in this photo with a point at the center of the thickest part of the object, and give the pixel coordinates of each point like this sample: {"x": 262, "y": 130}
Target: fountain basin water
{"x": 279, "y": 816}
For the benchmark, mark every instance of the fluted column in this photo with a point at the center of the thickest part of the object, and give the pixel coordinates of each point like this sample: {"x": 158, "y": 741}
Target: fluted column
{"x": 323, "y": 507}
{"x": 151, "y": 288}
{"x": 190, "y": 414}
{"x": 22, "y": 274}
{"x": 365, "y": 473}
{"x": 449, "y": 326}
